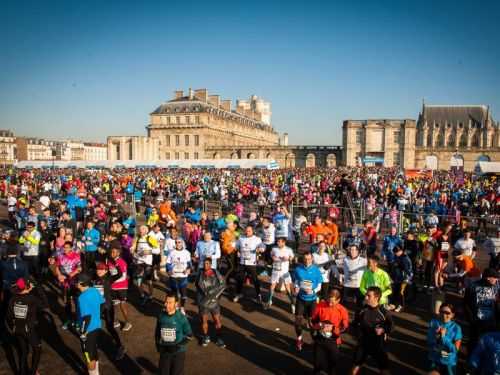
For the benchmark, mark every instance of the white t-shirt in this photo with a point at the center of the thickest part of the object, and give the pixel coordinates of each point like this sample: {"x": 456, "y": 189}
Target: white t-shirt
{"x": 268, "y": 234}
{"x": 159, "y": 237}
{"x": 45, "y": 201}
{"x": 11, "y": 202}
{"x": 169, "y": 245}
{"x": 247, "y": 246}
{"x": 144, "y": 251}
{"x": 209, "y": 249}
{"x": 179, "y": 259}
{"x": 353, "y": 271}
{"x": 319, "y": 260}
{"x": 32, "y": 248}
{"x": 465, "y": 246}
{"x": 282, "y": 266}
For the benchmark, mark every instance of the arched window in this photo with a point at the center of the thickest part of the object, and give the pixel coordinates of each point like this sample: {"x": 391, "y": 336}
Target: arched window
{"x": 451, "y": 140}
{"x": 463, "y": 140}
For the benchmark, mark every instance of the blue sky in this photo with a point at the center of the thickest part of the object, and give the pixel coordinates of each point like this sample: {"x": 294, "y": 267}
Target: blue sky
{"x": 89, "y": 69}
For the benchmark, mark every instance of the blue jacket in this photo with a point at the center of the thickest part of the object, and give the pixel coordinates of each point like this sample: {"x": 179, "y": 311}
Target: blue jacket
{"x": 91, "y": 238}
{"x": 390, "y": 242}
{"x": 309, "y": 277}
{"x": 486, "y": 356}
{"x": 442, "y": 350}
{"x": 11, "y": 269}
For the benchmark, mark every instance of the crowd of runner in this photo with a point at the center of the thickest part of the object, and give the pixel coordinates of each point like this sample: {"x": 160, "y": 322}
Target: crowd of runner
{"x": 368, "y": 240}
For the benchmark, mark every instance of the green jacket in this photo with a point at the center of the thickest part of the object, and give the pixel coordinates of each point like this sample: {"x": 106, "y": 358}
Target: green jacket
{"x": 172, "y": 332}
{"x": 378, "y": 278}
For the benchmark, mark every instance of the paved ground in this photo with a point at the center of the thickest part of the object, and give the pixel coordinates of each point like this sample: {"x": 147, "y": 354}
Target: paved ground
{"x": 258, "y": 341}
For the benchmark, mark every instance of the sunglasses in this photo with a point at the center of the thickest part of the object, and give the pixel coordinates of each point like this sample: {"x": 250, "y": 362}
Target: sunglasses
{"x": 446, "y": 312}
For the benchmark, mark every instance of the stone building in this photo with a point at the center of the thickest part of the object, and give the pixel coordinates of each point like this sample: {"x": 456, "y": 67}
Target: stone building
{"x": 379, "y": 142}
{"x": 458, "y": 135}
{"x": 189, "y": 124}
{"x": 35, "y": 149}
{"x": 8, "y": 151}
{"x": 95, "y": 151}
{"x": 138, "y": 148}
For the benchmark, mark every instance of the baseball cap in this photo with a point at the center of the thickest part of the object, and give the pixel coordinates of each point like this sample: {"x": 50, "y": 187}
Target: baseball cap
{"x": 101, "y": 266}
{"x": 21, "y": 284}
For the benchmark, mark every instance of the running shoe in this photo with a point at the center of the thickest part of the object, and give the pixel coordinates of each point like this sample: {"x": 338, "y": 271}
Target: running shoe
{"x": 127, "y": 327}
{"x": 66, "y": 325}
{"x": 120, "y": 353}
{"x": 398, "y": 308}
{"x": 220, "y": 343}
{"x": 116, "y": 324}
{"x": 237, "y": 298}
{"x": 298, "y": 345}
{"x": 205, "y": 341}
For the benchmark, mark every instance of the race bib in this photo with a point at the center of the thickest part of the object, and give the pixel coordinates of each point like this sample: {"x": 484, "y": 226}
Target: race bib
{"x": 168, "y": 334}
{"x": 445, "y": 246}
{"x": 306, "y": 285}
{"x": 20, "y": 311}
{"x": 178, "y": 267}
{"x": 277, "y": 266}
{"x": 113, "y": 271}
{"x": 247, "y": 255}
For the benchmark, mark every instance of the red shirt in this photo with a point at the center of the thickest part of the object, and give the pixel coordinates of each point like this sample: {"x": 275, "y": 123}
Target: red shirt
{"x": 337, "y": 315}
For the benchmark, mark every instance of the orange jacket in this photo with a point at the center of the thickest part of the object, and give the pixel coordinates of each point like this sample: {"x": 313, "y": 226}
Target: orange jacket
{"x": 166, "y": 212}
{"x": 227, "y": 241}
{"x": 337, "y": 315}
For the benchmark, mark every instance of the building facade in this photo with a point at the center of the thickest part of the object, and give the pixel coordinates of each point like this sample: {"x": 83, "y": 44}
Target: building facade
{"x": 95, "y": 151}
{"x": 189, "y": 124}
{"x": 456, "y": 135}
{"x": 138, "y": 148}
{"x": 35, "y": 149}
{"x": 8, "y": 150}
{"x": 379, "y": 142}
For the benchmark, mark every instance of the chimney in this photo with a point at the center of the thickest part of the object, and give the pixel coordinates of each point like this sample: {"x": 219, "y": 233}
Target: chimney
{"x": 214, "y": 100}
{"x": 201, "y": 94}
{"x": 179, "y": 94}
{"x": 226, "y": 105}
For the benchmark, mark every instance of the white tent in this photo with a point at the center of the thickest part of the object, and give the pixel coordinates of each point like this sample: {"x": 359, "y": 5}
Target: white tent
{"x": 485, "y": 167}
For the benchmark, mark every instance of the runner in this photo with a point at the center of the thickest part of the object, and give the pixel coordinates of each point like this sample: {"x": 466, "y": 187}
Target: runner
{"x": 308, "y": 281}
{"x": 89, "y": 317}
{"x": 171, "y": 336}
{"x": 103, "y": 283}
{"x": 281, "y": 256}
{"x": 22, "y": 322}
{"x": 160, "y": 243}
{"x": 119, "y": 288}
{"x": 209, "y": 287}
{"x": 142, "y": 250}
{"x": 179, "y": 268}
{"x": 66, "y": 268}
{"x": 329, "y": 320}
{"x": 249, "y": 247}
{"x": 374, "y": 324}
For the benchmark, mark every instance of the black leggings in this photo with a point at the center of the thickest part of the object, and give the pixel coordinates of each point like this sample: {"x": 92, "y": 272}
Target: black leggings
{"x": 25, "y": 343}
{"x": 326, "y": 353}
{"x": 250, "y": 271}
{"x": 172, "y": 363}
{"x": 109, "y": 319}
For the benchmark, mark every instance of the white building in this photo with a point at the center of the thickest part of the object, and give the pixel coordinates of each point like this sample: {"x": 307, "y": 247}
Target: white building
{"x": 95, "y": 151}
{"x": 7, "y": 147}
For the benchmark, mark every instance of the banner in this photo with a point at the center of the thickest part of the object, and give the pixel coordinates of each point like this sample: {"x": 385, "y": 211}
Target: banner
{"x": 418, "y": 173}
